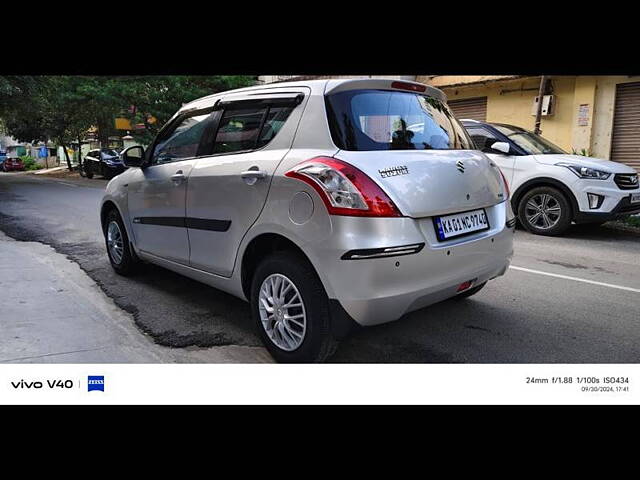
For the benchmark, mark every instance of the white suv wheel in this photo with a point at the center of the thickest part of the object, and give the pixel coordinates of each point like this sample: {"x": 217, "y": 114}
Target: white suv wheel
{"x": 543, "y": 211}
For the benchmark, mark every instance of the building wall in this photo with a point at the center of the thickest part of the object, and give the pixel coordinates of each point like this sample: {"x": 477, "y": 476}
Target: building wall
{"x": 511, "y": 101}
{"x": 605, "y": 99}
{"x": 445, "y": 81}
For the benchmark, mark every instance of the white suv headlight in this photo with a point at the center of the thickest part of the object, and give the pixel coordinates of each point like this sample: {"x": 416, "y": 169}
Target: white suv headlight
{"x": 586, "y": 172}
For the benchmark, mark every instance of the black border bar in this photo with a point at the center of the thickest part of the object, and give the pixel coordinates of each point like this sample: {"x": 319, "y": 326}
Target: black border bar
{"x": 186, "y": 222}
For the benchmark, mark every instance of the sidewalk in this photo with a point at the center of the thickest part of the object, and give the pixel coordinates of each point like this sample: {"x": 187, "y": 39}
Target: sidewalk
{"x": 45, "y": 171}
{"x": 52, "y": 312}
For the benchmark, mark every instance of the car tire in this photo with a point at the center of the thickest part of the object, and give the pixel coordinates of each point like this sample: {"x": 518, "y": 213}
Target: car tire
{"x": 127, "y": 262}
{"x": 312, "y": 342}
{"x": 470, "y": 292}
{"x": 545, "y": 211}
{"x": 88, "y": 172}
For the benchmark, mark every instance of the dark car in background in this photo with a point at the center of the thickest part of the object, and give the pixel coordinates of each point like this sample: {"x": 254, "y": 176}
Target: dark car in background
{"x": 12, "y": 165}
{"x": 103, "y": 161}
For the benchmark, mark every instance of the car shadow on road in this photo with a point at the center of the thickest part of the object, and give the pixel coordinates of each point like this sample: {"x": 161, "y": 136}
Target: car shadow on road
{"x": 180, "y": 312}
{"x": 424, "y": 336}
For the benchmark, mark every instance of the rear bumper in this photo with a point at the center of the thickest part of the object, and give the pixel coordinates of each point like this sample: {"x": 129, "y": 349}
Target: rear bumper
{"x": 378, "y": 290}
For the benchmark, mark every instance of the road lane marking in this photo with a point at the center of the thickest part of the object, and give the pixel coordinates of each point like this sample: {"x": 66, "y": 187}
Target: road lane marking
{"x": 583, "y": 280}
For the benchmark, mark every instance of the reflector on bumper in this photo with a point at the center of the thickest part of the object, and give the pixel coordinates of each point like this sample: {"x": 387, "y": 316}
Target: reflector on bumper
{"x": 465, "y": 285}
{"x": 382, "y": 252}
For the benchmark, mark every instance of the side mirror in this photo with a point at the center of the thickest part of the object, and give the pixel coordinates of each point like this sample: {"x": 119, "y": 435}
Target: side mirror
{"x": 133, "y": 156}
{"x": 500, "y": 147}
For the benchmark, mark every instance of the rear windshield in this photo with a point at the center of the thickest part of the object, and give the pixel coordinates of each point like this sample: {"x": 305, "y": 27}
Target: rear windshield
{"x": 391, "y": 120}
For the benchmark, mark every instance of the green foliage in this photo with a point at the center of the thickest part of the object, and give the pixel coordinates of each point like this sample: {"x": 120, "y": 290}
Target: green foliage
{"x": 584, "y": 152}
{"x": 30, "y": 163}
{"x": 41, "y": 108}
{"x": 63, "y": 108}
{"x": 159, "y": 97}
{"x": 633, "y": 220}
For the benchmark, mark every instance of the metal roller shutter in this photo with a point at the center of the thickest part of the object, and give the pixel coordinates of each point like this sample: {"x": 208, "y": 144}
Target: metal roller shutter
{"x": 473, "y": 108}
{"x": 625, "y": 141}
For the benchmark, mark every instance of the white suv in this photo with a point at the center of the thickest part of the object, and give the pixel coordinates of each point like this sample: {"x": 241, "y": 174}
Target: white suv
{"x": 550, "y": 188}
{"x": 315, "y": 202}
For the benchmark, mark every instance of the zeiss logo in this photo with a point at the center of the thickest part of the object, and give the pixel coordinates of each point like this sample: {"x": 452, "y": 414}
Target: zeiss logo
{"x": 95, "y": 383}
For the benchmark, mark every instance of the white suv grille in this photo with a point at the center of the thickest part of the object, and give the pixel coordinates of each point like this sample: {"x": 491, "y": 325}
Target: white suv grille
{"x": 626, "y": 181}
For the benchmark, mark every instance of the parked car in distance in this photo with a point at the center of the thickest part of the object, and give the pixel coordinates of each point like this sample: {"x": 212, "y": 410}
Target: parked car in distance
{"x": 12, "y": 165}
{"x": 550, "y": 188}
{"x": 103, "y": 161}
{"x": 315, "y": 202}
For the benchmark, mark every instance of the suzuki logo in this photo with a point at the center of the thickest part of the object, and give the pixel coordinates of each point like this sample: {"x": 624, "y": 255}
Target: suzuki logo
{"x": 460, "y": 166}
{"x": 634, "y": 180}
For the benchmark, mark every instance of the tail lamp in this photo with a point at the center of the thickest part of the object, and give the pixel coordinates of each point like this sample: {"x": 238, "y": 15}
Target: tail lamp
{"x": 344, "y": 189}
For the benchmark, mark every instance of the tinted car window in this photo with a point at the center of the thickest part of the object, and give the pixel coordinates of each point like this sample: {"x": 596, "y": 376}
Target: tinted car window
{"x": 182, "y": 142}
{"x": 482, "y": 138}
{"x": 109, "y": 152}
{"x": 276, "y": 118}
{"x": 391, "y": 120}
{"x": 239, "y": 130}
{"x": 530, "y": 142}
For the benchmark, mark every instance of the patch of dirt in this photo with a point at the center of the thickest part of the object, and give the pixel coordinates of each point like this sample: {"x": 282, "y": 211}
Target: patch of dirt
{"x": 623, "y": 226}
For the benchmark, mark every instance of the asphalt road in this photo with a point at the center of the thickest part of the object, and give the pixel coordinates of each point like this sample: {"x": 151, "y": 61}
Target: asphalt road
{"x": 574, "y": 299}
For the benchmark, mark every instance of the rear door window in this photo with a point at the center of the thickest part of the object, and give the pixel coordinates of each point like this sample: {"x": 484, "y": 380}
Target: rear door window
{"x": 392, "y": 120}
{"x": 249, "y": 128}
{"x": 239, "y": 130}
{"x": 276, "y": 118}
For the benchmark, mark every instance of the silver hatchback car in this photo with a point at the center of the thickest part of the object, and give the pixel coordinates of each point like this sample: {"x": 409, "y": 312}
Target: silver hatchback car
{"x": 326, "y": 204}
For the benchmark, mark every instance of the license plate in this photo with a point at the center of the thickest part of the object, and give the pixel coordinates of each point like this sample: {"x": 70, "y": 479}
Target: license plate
{"x": 635, "y": 198}
{"x": 458, "y": 224}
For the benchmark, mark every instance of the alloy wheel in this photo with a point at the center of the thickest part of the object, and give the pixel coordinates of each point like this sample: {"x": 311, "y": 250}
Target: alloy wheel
{"x": 115, "y": 242}
{"x": 543, "y": 211}
{"x": 282, "y": 312}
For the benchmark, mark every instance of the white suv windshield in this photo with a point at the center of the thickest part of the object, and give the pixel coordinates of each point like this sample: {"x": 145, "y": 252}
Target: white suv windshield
{"x": 530, "y": 142}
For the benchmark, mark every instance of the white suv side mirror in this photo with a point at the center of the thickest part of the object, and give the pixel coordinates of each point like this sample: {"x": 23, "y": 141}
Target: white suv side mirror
{"x": 502, "y": 147}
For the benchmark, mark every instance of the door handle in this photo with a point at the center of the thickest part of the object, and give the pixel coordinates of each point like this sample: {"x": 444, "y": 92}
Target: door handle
{"x": 178, "y": 177}
{"x": 252, "y": 175}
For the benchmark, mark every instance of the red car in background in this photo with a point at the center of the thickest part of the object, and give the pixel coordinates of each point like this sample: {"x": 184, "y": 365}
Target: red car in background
{"x": 12, "y": 164}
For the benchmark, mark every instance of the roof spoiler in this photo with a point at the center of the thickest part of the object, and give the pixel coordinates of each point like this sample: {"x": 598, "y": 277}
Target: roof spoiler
{"x": 335, "y": 86}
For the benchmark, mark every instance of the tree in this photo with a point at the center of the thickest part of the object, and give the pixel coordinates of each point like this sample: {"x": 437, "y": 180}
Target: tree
{"x": 154, "y": 99}
{"x": 157, "y": 98}
{"x": 63, "y": 108}
{"x": 45, "y": 108}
